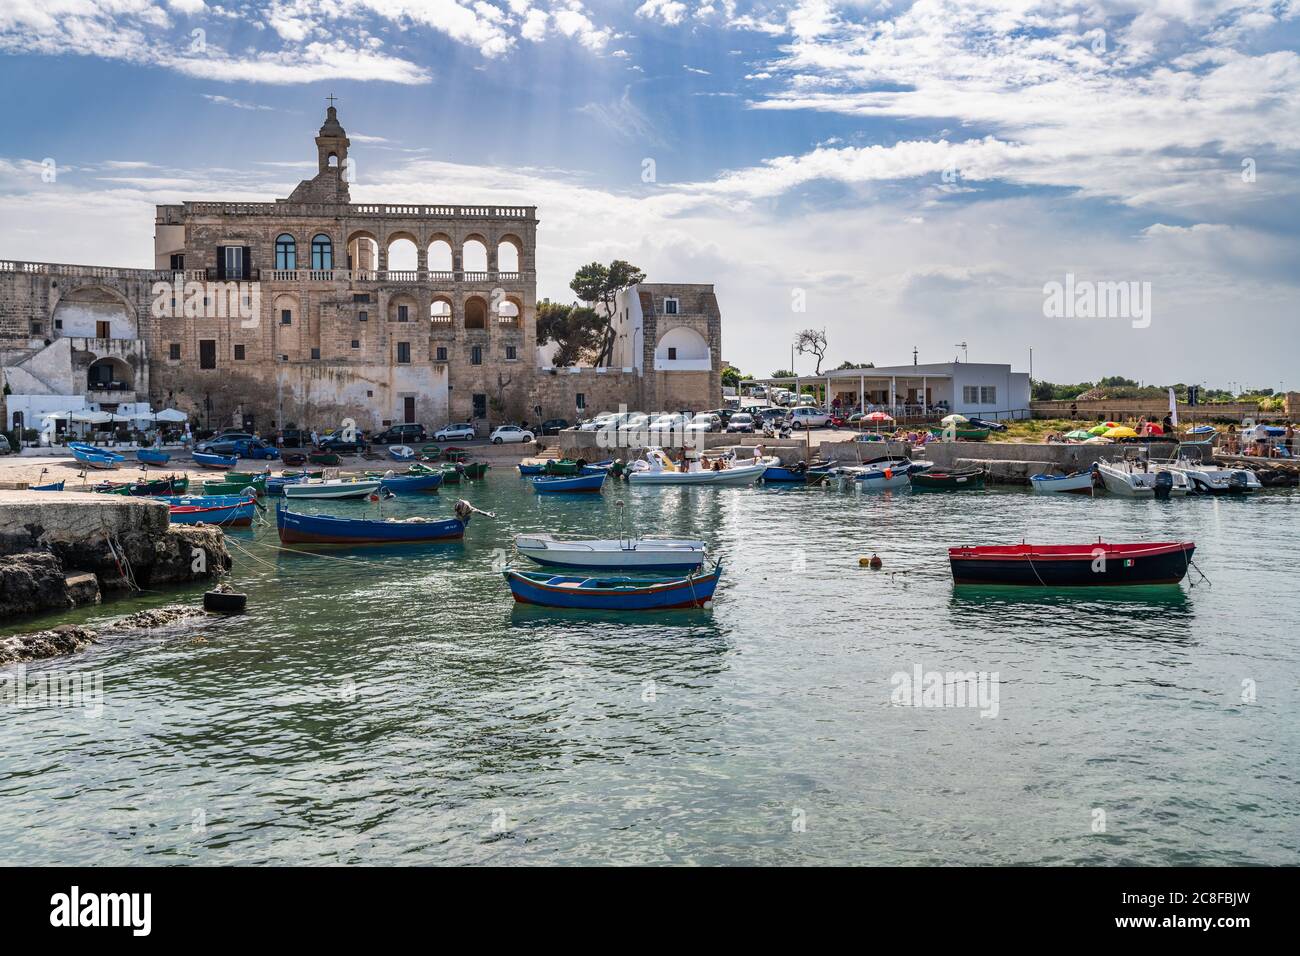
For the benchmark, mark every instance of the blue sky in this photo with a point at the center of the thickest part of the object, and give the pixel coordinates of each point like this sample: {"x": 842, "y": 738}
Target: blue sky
{"x": 913, "y": 172}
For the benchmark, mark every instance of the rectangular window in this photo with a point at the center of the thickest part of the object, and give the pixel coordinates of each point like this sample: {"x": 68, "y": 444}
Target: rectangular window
{"x": 361, "y": 297}
{"x": 58, "y": 323}
{"x": 988, "y": 395}
{"x": 174, "y": 351}
{"x": 363, "y": 316}
{"x": 670, "y": 306}
{"x": 178, "y": 261}
{"x": 315, "y": 353}
{"x": 207, "y": 353}
{"x": 286, "y": 317}
{"x": 102, "y": 330}
{"x": 480, "y": 406}
{"x": 580, "y": 400}
{"x": 36, "y": 328}
{"x": 404, "y": 353}
{"x": 476, "y": 355}
{"x": 239, "y": 353}
{"x": 403, "y": 313}
{"x": 356, "y": 343}
{"x": 512, "y": 354}
{"x": 442, "y": 353}
{"x": 672, "y": 353}
{"x": 234, "y": 258}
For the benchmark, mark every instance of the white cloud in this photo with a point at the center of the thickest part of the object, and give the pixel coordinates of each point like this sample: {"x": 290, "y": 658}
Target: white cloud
{"x": 670, "y": 12}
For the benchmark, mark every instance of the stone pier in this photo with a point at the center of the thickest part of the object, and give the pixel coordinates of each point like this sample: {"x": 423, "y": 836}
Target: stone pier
{"x": 62, "y": 549}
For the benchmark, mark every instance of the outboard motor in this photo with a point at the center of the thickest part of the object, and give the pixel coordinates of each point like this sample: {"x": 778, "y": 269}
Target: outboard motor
{"x": 1237, "y": 481}
{"x": 1164, "y": 484}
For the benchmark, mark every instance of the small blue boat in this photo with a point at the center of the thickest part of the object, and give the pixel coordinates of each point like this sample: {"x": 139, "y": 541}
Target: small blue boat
{"x": 548, "y": 485}
{"x": 222, "y": 462}
{"x": 96, "y": 458}
{"x": 54, "y": 486}
{"x": 598, "y": 467}
{"x": 238, "y": 515}
{"x": 206, "y": 501}
{"x": 797, "y": 474}
{"x": 402, "y": 453}
{"x": 526, "y": 470}
{"x": 411, "y": 484}
{"x": 612, "y": 593}
{"x": 297, "y": 528}
{"x": 275, "y": 486}
{"x": 153, "y": 456}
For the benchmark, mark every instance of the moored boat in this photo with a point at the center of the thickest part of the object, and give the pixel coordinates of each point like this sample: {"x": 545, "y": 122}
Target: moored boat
{"x": 627, "y": 554}
{"x": 95, "y": 457}
{"x": 1209, "y": 479}
{"x": 658, "y": 469}
{"x": 1131, "y": 479}
{"x": 960, "y": 433}
{"x": 401, "y": 453}
{"x": 297, "y": 528}
{"x": 956, "y": 480}
{"x": 1079, "y": 483}
{"x": 256, "y": 486}
{"x": 612, "y": 593}
{"x": 879, "y": 474}
{"x": 475, "y": 469}
{"x": 411, "y": 484}
{"x": 221, "y": 462}
{"x": 238, "y": 515}
{"x": 559, "y": 484}
{"x": 800, "y": 473}
{"x": 1072, "y": 565}
{"x": 152, "y": 487}
{"x": 332, "y": 488}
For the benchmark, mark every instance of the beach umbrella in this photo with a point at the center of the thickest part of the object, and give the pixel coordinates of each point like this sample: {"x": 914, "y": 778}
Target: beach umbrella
{"x": 1122, "y": 431}
{"x": 1098, "y": 429}
{"x": 879, "y": 417}
{"x": 1098, "y": 440}
{"x": 954, "y": 419}
{"x": 1079, "y": 434}
{"x": 1112, "y": 424}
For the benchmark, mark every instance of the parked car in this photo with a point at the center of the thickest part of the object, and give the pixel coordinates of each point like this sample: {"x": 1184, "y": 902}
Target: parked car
{"x": 460, "y": 431}
{"x": 553, "y": 426}
{"x": 510, "y": 433}
{"x": 666, "y": 422}
{"x": 256, "y": 449}
{"x": 758, "y": 391}
{"x": 639, "y": 420}
{"x": 704, "y": 422}
{"x": 741, "y": 422}
{"x": 723, "y": 413}
{"x": 597, "y": 423}
{"x": 295, "y": 437}
{"x": 771, "y": 414}
{"x": 807, "y": 400}
{"x": 806, "y": 417}
{"x": 222, "y": 444}
{"x": 5, "y": 447}
{"x": 403, "y": 434}
{"x": 337, "y": 443}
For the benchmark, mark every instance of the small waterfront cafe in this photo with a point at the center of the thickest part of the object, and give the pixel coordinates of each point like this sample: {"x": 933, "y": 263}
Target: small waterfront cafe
{"x": 917, "y": 392}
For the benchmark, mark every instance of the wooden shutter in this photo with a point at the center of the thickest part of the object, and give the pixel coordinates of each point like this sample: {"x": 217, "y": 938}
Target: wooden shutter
{"x": 221, "y": 262}
{"x": 248, "y": 262}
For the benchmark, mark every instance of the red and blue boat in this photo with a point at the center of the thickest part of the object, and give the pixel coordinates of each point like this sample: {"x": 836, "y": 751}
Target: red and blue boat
{"x": 298, "y": 528}
{"x": 577, "y": 592}
{"x": 557, "y": 484}
{"x": 237, "y": 515}
{"x": 1072, "y": 565}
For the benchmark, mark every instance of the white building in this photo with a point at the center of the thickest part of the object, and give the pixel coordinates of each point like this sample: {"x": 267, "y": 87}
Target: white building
{"x": 978, "y": 389}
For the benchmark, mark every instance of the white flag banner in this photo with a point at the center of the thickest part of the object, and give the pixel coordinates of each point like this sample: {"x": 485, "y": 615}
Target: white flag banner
{"x": 1173, "y": 408}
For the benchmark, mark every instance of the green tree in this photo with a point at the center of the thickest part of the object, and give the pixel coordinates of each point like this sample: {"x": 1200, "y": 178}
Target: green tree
{"x": 599, "y": 285}
{"x": 782, "y": 373}
{"x": 575, "y": 329}
{"x": 848, "y": 365}
{"x": 731, "y": 377}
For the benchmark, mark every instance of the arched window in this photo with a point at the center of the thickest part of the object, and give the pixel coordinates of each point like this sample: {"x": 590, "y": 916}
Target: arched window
{"x": 286, "y": 252}
{"x": 322, "y": 252}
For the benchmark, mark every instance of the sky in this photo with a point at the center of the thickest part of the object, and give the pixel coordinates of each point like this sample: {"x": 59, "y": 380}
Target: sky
{"x": 902, "y": 175}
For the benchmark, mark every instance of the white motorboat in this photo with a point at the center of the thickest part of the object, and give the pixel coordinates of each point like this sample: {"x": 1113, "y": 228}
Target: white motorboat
{"x": 640, "y": 554}
{"x": 332, "y": 488}
{"x": 658, "y": 469}
{"x": 1080, "y": 483}
{"x": 1209, "y": 479}
{"x": 879, "y": 474}
{"x": 1132, "y": 479}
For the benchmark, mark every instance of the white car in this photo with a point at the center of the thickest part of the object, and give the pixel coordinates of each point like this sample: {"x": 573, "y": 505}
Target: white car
{"x": 597, "y": 423}
{"x": 668, "y": 422}
{"x": 461, "y": 431}
{"x": 505, "y": 433}
{"x": 705, "y": 422}
{"x": 805, "y": 417}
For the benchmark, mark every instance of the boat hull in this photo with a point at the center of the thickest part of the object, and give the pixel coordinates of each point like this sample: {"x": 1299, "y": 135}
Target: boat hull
{"x": 738, "y": 475}
{"x": 638, "y": 554}
{"x": 1079, "y": 483}
{"x": 412, "y": 484}
{"x": 153, "y": 457}
{"x": 97, "y": 460}
{"x": 949, "y": 481}
{"x": 348, "y": 489}
{"x": 580, "y": 484}
{"x": 219, "y": 462}
{"x": 1095, "y": 565}
{"x": 615, "y": 594}
{"x": 295, "y": 528}
{"x": 230, "y": 516}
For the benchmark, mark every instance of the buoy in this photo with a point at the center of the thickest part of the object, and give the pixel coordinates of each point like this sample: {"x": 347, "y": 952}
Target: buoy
{"x": 876, "y": 563}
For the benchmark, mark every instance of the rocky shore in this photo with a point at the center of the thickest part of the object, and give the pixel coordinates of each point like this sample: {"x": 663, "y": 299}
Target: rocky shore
{"x": 71, "y": 638}
{"x": 66, "y": 549}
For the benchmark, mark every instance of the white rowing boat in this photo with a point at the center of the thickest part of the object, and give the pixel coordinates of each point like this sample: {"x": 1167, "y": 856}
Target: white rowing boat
{"x": 640, "y": 554}
{"x": 332, "y": 488}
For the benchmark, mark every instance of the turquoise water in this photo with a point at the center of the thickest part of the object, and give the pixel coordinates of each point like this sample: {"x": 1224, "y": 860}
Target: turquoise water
{"x": 393, "y": 706}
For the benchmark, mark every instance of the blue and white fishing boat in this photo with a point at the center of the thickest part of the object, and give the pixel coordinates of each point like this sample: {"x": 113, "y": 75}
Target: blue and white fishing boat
{"x": 275, "y": 484}
{"x": 411, "y": 484}
{"x": 549, "y": 485}
{"x": 53, "y": 486}
{"x": 612, "y": 593}
{"x": 221, "y": 462}
{"x": 297, "y": 528}
{"x": 96, "y": 457}
{"x": 527, "y": 470}
{"x": 153, "y": 456}
{"x": 613, "y": 554}
{"x": 879, "y": 474}
{"x": 1079, "y": 483}
{"x": 402, "y": 453}
{"x": 207, "y": 501}
{"x": 598, "y": 467}
{"x": 797, "y": 474}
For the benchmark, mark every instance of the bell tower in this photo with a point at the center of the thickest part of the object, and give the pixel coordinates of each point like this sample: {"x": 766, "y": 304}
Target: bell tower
{"x": 330, "y": 184}
{"x": 332, "y": 143}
